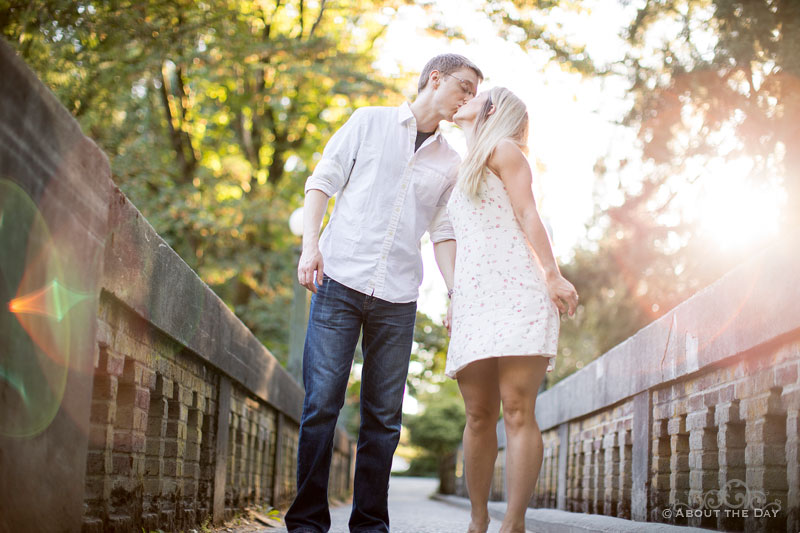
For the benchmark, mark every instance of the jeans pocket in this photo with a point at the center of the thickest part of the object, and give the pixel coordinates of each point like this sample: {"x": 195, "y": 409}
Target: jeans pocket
{"x": 325, "y": 280}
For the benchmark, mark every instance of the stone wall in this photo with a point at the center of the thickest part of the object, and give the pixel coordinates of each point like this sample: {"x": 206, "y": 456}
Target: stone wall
{"x": 173, "y": 414}
{"x": 693, "y": 420}
{"x": 54, "y": 189}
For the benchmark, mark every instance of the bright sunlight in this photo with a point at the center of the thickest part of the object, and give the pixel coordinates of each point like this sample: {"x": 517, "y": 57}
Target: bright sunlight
{"x": 734, "y": 211}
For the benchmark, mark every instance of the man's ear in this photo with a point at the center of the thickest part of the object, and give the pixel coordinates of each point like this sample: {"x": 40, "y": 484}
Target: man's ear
{"x": 434, "y": 79}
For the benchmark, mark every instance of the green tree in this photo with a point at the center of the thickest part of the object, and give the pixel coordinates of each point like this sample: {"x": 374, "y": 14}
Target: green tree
{"x": 724, "y": 82}
{"x": 438, "y": 431}
{"x": 708, "y": 79}
{"x": 428, "y": 356}
{"x": 212, "y": 114}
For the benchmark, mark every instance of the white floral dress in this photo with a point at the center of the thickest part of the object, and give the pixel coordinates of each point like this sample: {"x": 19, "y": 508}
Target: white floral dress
{"x": 500, "y": 301}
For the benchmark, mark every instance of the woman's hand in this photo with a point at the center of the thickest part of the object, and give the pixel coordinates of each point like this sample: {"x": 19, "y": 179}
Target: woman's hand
{"x": 562, "y": 293}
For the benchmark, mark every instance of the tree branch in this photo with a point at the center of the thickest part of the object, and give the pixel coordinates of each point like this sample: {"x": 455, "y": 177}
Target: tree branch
{"x": 268, "y": 23}
{"x": 319, "y": 18}
{"x": 300, "y": 19}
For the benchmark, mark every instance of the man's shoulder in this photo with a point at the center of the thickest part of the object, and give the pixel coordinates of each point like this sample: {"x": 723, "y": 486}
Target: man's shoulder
{"x": 451, "y": 152}
{"x": 451, "y": 158}
{"x": 375, "y": 111}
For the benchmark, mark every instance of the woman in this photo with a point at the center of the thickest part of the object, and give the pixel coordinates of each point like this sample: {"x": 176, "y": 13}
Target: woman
{"x": 506, "y": 298}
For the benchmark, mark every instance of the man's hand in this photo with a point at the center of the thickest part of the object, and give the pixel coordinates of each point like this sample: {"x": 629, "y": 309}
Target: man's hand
{"x": 310, "y": 263}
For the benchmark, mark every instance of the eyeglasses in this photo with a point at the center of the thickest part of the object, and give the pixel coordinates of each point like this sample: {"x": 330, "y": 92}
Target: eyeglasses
{"x": 465, "y": 85}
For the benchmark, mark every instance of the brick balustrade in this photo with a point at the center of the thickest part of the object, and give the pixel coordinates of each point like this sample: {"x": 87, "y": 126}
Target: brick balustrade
{"x": 173, "y": 413}
{"x": 698, "y": 410}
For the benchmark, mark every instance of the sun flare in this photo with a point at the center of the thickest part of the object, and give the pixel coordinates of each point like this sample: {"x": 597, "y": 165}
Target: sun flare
{"x": 735, "y": 211}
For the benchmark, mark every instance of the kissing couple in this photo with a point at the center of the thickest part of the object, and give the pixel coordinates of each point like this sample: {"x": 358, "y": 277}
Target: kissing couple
{"x": 395, "y": 177}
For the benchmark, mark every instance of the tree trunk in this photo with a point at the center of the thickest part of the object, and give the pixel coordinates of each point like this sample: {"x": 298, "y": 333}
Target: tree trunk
{"x": 241, "y": 293}
{"x": 181, "y": 142}
{"x": 174, "y": 135}
{"x": 447, "y": 473}
{"x": 276, "y": 167}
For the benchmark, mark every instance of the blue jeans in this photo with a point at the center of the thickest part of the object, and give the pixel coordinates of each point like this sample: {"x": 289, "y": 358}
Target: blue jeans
{"x": 337, "y": 316}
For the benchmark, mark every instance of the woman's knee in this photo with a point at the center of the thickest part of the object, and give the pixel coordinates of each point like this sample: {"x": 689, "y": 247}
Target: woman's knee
{"x": 518, "y": 411}
{"x": 481, "y": 418}
{"x": 520, "y": 378}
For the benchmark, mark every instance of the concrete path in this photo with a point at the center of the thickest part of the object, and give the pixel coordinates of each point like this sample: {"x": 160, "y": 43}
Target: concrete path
{"x": 555, "y": 521}
{"x": 411, "y": 510}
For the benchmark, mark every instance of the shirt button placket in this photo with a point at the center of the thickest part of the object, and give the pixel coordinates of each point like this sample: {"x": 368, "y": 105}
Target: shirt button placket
{"x": 380, "y": 277}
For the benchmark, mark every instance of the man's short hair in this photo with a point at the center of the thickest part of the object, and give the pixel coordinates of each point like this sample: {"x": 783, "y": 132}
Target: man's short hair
{"x": 446, "y": 64}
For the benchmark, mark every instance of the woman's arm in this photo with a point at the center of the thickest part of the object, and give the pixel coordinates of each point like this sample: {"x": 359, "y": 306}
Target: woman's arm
{"x": 510, "y": 165}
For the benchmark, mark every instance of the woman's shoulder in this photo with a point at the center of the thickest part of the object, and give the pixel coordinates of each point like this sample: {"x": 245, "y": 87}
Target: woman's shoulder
{"x": 506, "y": 155}
{"x": 507, "y": 149}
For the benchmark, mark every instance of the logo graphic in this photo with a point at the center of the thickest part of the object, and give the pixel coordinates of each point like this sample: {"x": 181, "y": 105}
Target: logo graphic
{"x": 734, "y": 500}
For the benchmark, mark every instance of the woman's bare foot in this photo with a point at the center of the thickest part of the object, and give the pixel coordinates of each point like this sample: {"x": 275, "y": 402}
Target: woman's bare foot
{"x": 515, "y": 528}
{"x": 478, "y": 524}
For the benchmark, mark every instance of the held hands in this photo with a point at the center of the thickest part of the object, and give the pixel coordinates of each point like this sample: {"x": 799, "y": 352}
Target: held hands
{"x": 448, "y": 319}
{"x": 562, "y": 293}
{"x": 310, "y": 263}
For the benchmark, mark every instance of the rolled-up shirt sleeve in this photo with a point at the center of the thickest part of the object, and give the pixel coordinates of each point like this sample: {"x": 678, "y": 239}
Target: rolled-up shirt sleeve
{"x": 440, "y": 228}
{"x": 338, "y": 157}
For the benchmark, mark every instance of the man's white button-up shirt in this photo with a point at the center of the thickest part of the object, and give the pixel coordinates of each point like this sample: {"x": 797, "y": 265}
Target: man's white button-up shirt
{"x": 387, "y": 196}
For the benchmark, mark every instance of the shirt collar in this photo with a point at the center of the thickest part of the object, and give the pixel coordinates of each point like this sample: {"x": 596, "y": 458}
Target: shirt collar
{"x": 404, "y": 114}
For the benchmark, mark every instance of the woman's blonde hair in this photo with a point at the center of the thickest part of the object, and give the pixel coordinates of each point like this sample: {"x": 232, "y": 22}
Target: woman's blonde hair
{"x": 509, "y": 121}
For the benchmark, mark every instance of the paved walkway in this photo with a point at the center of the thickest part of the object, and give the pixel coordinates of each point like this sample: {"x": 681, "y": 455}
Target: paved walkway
{"x": 412, "y": 511}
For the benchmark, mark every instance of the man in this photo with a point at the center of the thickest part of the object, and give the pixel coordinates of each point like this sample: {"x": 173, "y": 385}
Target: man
{"x": 392, "y": 172}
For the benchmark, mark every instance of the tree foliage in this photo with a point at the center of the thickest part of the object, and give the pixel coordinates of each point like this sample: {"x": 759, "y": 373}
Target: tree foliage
{"x": 438, "y": 432}
{"x": 212, "y": 114}
{"x": 439, "y": 428}
{"x": 429, "y": 354}
{"x": 708, "y": 80}
{"x": 724, "y": 81}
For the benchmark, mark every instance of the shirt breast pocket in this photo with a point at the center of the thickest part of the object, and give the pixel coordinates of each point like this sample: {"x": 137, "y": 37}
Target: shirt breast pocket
{"x": 429, "y": 185}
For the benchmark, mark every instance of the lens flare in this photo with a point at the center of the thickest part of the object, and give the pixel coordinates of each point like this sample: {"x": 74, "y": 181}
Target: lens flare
{"x": 37, "y": 317}
{"x": 53, "y": 301}
{"x": 16, "y": 383}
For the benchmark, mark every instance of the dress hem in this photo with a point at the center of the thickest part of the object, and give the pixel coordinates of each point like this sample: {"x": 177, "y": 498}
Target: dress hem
{"x": 550, "y": 365}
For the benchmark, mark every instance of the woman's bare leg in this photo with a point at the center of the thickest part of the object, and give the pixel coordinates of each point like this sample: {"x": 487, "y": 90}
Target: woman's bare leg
{"x": 478, "y": 384}
{"x": 520, "y": 378}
